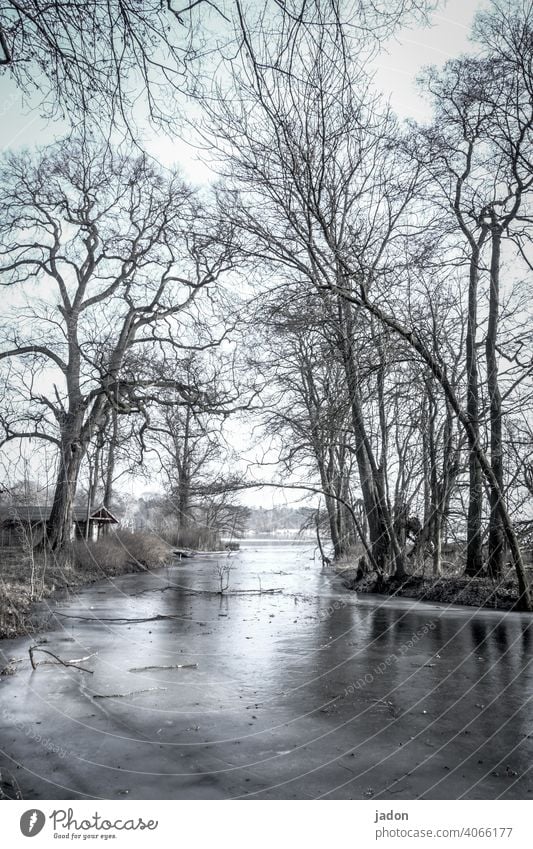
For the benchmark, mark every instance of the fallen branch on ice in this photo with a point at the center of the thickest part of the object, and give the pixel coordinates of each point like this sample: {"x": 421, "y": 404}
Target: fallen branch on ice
{"x": 173, "y": 666}
{"x": 120, "y": 620}
{"x": 156, "y": 589}
{"x": 191, "y": 591}
{"x": 124, "y": 695}
{"x": 272, "y": 591}
{"x": 73, "y": 663}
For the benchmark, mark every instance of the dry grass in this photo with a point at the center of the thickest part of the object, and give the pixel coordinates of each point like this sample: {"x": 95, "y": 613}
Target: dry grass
{"x": 15, "y": 604}
{"x": 120, "y": 552}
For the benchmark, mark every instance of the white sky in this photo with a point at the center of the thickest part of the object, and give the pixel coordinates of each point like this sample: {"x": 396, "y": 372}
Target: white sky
{"x": 396, "y": 70}
{"x": 412, "y": 50}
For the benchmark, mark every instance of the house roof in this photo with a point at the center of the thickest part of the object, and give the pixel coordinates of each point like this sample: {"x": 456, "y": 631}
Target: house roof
{"x": 41, "y": 513}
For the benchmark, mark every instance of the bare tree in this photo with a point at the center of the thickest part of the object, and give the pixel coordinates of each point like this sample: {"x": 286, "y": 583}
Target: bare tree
{"x": 479, "y": 153}
{"x": 188, "y": 444}
{"x": 313, "y": 151}
{"x": 115, "y": 254}
{"x": 306, "y": 409}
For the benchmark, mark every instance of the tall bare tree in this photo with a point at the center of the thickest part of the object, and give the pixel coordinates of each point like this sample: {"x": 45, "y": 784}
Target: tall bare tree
{"x": 106, "y": 257}
{"x": 480, "y": 154}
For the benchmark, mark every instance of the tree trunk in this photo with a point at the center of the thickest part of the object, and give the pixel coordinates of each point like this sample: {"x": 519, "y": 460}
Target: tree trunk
{"x": 331, "y": 509}
{"x": 183, "y": 463}
{"x": 95, "y": 472}
{"x": 110, "y": 468}
{"x": 382, "y": 534}
{"x": 496, "y": 532}
{"x": 451, "y": 467}
{"x": 325, "y": 560}
{"x": 474, "y": 553}
{"x": 60, "y": 525}
{"x": 435, "y": 522}
{"x": 328, "y": 468}
{"x": 184, "y": 489}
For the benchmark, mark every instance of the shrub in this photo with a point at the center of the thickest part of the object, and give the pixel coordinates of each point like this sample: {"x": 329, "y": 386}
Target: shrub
{"x": 147, "y": 549}
{"x": 115, "y": 553}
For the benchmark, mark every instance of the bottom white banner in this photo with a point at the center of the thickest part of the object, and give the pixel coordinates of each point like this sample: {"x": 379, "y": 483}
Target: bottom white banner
{"x": 257, "y": 824}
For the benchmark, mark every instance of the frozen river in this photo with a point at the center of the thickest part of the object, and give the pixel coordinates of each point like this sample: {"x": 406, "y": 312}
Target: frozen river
{"x": 310, "y": 692}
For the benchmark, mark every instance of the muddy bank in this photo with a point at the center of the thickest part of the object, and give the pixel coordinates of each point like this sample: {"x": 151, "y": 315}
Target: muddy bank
{"x": 470, "y": 592}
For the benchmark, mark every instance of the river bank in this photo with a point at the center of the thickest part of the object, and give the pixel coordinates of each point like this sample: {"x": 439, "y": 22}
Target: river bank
{"x": 29, "y": 579}
{"x": 445, "y": 589}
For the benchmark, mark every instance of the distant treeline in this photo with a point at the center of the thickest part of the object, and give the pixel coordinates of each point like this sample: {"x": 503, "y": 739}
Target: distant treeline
{"x": 261, "y": 521}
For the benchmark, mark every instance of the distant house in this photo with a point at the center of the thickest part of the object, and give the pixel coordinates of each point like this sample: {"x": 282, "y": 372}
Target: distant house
{"x": 28, "y": 523}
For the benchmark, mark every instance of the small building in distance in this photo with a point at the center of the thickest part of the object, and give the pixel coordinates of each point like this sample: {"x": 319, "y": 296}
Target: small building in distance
{"x": 27, "y": 524}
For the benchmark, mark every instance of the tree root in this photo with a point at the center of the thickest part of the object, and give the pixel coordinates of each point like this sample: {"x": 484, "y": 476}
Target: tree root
{"x": 125, "y": 695}
{"x": 72, "y": 663}
{"x": 173, "y": 666}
